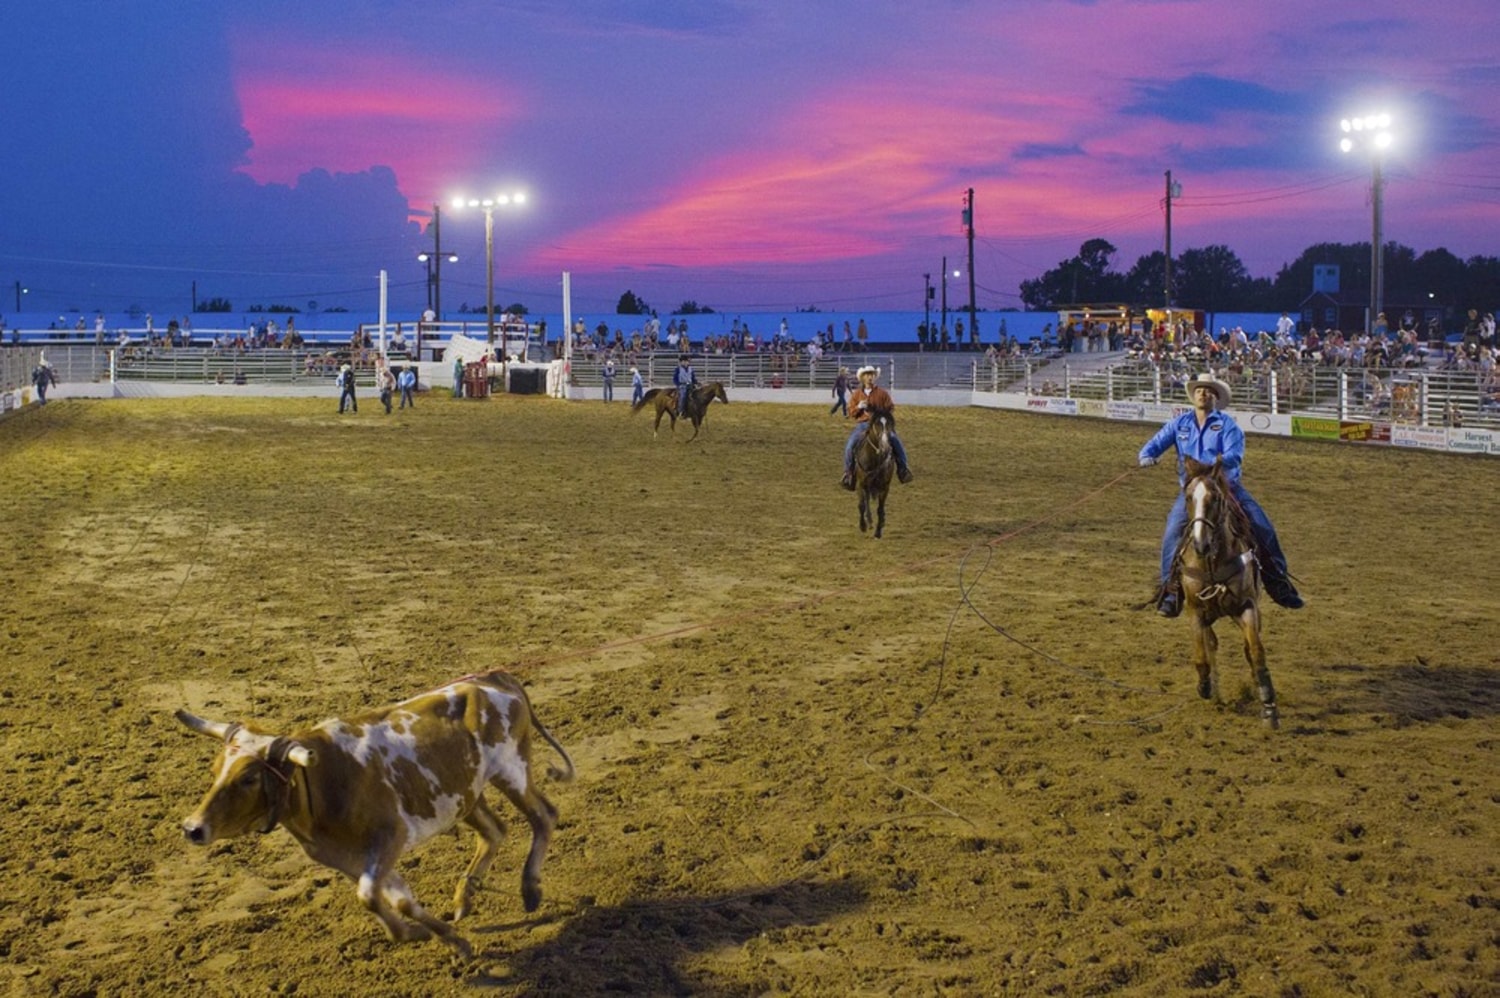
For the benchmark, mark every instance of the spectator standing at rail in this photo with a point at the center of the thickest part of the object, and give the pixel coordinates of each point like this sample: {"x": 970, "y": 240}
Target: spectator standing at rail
{"x": 406, "y": 381}
{"x": 458, "y": 377}
{"x": 345, "y": 382}
{"x": 637, "y": 387}
{"x": 386, "y": 382}
{"x": 841, "y": 392}
{"x": 869, "y": 396}
{"x": 1207, "y": 434}
{"x": 608, "y": 373}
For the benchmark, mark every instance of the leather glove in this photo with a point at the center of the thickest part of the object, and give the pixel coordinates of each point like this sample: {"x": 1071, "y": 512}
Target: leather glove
{"x": 1147, "y": 462}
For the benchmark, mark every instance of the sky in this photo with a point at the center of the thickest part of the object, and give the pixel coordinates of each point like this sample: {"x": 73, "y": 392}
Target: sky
{"x": 747, "y": 155}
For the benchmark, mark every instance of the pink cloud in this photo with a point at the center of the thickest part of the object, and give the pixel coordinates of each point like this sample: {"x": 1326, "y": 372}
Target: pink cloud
{"x": 346, "y": 113}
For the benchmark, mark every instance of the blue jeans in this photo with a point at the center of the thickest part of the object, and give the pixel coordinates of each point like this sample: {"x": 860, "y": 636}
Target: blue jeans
{"x": 609, "y": 389}
{"x": 1272, "y": 561}
{"x": 897, "y": 450}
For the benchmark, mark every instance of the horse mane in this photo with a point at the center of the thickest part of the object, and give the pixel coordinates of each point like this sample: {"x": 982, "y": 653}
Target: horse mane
{"x": 882, "y": 411}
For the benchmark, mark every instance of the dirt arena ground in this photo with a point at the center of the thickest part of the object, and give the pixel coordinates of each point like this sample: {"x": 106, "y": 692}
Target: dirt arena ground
{"x": 956, "y": 761}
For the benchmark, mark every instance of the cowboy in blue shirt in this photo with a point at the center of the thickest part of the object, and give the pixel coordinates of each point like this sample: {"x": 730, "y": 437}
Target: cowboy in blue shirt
{"x": 1207, "y": 434}
{"x": 683, "y": 379}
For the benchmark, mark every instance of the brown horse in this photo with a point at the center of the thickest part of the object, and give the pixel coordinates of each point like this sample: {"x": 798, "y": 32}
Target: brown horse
{"x": 665, "y": 402}
{"x": 874, "y": 467}
{"x": 1217, "y": 569}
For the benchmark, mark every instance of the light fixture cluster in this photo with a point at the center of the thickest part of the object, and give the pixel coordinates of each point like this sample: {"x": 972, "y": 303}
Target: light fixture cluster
{"x": 499, "y": 200}
{"x": 1372, "y": 129}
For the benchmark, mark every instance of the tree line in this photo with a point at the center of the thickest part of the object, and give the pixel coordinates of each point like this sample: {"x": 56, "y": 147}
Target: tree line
{"x": 1214, "y": 278}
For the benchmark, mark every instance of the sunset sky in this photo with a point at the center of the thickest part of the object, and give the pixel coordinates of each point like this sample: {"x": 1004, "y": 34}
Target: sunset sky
{"x": 745, "y": 154}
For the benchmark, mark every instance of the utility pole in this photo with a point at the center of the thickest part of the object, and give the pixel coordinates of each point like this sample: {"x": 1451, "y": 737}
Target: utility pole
{"x": 927, "y": 306}
{"x": 437, "y": 261}
{"x": 969, "y": 232}
{"x": 1173, "y": 191}
{"x": 1377, "y": 248}
{"x": 945, "y": 298}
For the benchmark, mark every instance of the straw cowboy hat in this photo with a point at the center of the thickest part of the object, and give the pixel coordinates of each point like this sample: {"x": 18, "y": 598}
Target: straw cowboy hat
{"x": 869, "y": 369}
{"x": 1213, "y": 384}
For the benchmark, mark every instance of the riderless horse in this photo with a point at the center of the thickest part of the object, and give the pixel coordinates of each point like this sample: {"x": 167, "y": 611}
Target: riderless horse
{"x": 874, "y": 467}
{"x": 665, "y": 401}
{"x": 1217, "y": 569}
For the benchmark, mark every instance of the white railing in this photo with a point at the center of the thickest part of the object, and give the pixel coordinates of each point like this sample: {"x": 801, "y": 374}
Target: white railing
{"x": 1419, "y": 396}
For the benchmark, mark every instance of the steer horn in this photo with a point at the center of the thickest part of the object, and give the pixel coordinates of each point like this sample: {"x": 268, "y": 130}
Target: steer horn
{"x": 214, "y": 729}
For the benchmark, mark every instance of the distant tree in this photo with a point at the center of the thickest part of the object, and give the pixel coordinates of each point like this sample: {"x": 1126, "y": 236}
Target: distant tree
{"x": 285, "y": 310}
{"x": 215, "y": 305}
{"x": 516, "y": 308}
{"x": 808, "y": 309}
{"x": 1145, "y": 283}
{"x": 630, "y": 304}
{"x": 693, "y": 308}
{"x": 1211, "y": 278}
{"x": 1482, "y": 290}
{"x": 1084, "y": 278}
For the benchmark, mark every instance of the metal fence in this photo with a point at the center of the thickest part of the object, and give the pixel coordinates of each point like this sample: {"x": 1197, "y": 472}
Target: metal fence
{"x": 1417, "y": 396}
{"x": 775, "y": 370}
{"x": 1421, "y": 396}
{"x": 71, "y": 364}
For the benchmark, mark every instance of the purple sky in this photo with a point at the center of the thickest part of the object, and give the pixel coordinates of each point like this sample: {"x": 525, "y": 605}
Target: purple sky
{"x": 741, "y": 153}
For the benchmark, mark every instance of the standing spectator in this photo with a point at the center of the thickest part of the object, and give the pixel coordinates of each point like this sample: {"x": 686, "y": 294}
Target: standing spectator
{"x": 386, "y": 381}
{"x": 458, "y": 377}
{"x": 608, "y": 371}
{"x": 841, "y": 392}
{"x": 406, "y": 381}
{"x": 346, "y": 389}
{"x": 637, "y": 387}
{"x": 43, "y": 377}
{"x": 864, "y": 335}
{"x": 848, "y": 343}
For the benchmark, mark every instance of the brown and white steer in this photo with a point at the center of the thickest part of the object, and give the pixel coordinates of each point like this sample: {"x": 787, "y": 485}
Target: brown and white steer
{"x": 359, "y": 792}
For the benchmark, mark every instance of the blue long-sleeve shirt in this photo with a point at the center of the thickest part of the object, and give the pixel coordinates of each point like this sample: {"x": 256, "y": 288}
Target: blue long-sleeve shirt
{"x": 1219, "y": 437}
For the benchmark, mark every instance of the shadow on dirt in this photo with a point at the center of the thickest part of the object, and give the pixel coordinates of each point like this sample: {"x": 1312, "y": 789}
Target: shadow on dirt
{"x": 1399, "y": 695}
{"x": 635, "y": 948}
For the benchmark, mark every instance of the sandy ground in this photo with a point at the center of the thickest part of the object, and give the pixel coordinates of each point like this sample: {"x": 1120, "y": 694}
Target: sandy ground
{"x": 959, "y": 760}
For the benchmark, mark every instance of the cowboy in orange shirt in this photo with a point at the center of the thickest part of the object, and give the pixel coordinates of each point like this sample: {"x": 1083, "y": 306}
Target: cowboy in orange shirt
{"x": 869, "y": 396}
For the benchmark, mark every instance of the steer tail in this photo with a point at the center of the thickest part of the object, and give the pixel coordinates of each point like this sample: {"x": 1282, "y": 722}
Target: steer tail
{"x": 560, "y": 775}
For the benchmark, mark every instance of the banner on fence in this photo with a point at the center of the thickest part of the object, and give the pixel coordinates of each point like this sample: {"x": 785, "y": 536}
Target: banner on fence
{"x": 1316, "y": 428}
{"x": 1474, "y": 441}
{"x": 1428, "y": 437}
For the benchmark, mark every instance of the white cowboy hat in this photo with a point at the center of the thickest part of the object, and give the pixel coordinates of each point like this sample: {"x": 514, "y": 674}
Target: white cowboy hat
{"x": 1213, "y": 384}
{"x": 867, "y": 369}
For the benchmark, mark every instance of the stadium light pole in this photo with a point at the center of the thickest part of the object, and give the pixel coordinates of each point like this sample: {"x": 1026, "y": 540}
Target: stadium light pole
{"x": 1371, "y": 133}
{"x": 488, "y": 206}
{"x": 434, "y": 263}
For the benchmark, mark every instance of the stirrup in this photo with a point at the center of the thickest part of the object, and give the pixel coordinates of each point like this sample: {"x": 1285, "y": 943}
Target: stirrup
{"x": 847, "y": 481}
{"x": 1170, "y": 604}
{"x": 905, "y": 475}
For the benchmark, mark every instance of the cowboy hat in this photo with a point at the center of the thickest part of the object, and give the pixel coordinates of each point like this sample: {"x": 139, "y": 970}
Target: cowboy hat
{"x": 1213, "y": 384}
{"x": 869, "y": 369}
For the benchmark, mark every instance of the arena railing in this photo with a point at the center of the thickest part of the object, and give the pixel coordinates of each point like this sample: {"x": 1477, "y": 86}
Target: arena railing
{"x": 1420, "y": 396}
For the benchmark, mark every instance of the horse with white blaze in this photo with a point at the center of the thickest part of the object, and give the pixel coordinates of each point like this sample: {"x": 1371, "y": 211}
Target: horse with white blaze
{"x": 359, "y": 792}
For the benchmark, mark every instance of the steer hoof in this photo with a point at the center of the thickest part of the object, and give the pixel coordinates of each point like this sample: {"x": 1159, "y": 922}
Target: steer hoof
{"x": 531, "y": 896}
